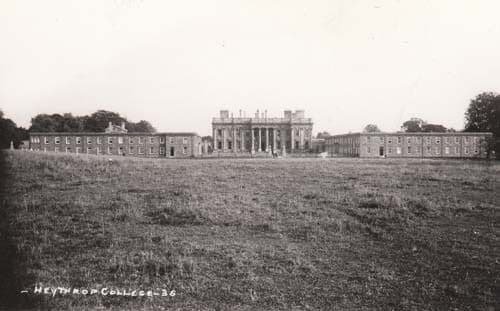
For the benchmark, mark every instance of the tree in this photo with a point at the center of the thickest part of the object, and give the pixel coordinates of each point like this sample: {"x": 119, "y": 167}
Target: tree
{"x": 99, "y": 120}
{"x": 96, "y": 122}
{"x": 10, "y": 132}
{"x": 371, "y": 128}
{"x": 433, "y": 128}
{"x": 413, "y": 125}
{"x": 483, "y": 115}
{"x": 142, "y": 126}
{"x": 416, "y": 125}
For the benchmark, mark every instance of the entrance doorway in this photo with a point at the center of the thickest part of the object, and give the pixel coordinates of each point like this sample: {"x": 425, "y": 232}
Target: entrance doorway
{"x": 172, "y": 151}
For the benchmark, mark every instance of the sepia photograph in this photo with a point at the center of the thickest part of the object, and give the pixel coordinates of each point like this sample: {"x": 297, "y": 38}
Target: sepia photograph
{"x": 249, "y": 155}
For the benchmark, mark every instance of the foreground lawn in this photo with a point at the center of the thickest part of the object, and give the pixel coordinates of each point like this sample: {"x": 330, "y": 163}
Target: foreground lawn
{"x": 258, "y": 234}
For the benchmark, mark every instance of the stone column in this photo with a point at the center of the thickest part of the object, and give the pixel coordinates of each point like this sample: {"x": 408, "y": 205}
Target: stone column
{"x": 274, "y": 139}
{"x": 234, "y": 140}
{"x": 301, "y": 139}
{"x": 223, "y": 139}
{"x": 267, "y": 139}
{"x": 214, "y": 140}
{"x": 252, "y": 150}
{"x": 283, "y": 141}
{"x": 242, "y": 140}
{"x": 260, "y": 139}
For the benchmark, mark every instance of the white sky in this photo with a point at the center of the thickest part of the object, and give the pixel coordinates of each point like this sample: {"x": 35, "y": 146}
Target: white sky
{"x": 177, "y": 63}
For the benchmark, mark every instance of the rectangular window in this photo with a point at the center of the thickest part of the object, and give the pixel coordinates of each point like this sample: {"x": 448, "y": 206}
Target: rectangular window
{"x": 409, "y": 149}
{"x": 130, "y": 140}
{"x": 466, "y": 139}
{"x": 162, "y": 150}
{"x": 89, "y": 140}
{"x": 98, "y": 150}
{"x": 110, "y": 150}
{"x": 162, "y": 140}
{"x": 141, "y": 150}
{"x": 99, "y": 140}
{"x": 438, "y": 140}
{"x": 398, "y": 150}
{"x": 419, "y": 139}
{"x": 428, "y": 140}
{"x": 436, "y": 150}
{"x": 110, "y": 140}
{"x": 171, "y": 140}
{"x": 121, "y": 151}
{"x": 381, "y": 138}
{"x": 89, "y": 149}
{"x": 399, "y": 139}
{"x": 140, "y": 140}
{"x": 56, "y": 149}
{"x": 68, "y": 149}
{"x": 466, "y": 150}
{"x": 184, "y": 150}
{"x": 476, "y": 151}
{"x": 120, "y": 139}
{"x": 447, "y": 150}
{"x": 389, "y": 150}
{"x": 446, "y": 140}
{"x": 408, "y": 140}
{"x": 78, "y": 150}
{"x": 456, "y": 150}
{"x": 368, "y": 150}
{"x": 131, "y": 149}
{"x": 78, "y": 140}
{"x": 151, "y": 140}
{"x": 151, "y": 150}
{"x": 389, "y": 140}
{"x": 457, "y": 140}
{"x": 184, "y": 140}
{"x": 429, "y": 149}
{"x": 46, "y": 140}
{"x": 57, "y": 140}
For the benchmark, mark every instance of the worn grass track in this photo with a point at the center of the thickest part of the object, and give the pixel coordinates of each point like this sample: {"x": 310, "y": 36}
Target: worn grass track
{"x": 260, "y": 234}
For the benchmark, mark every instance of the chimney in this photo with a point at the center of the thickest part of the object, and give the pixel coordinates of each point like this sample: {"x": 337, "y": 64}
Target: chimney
{"x": 257, "y": 114}
{"x": 123, "y": 125}
{"x": 110, "y": 124}
{"x": 265, "y": 113}
{"x": 240, "y": 113}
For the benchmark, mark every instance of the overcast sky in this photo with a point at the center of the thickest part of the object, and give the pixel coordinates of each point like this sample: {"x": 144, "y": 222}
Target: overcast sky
{"x": 177, "y": 63}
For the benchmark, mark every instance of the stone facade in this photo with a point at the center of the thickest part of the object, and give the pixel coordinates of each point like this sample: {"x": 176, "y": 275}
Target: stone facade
{"x": 409, "y": 145}
{"x": 151, "y": 145}
{"x": 259, "y": 134}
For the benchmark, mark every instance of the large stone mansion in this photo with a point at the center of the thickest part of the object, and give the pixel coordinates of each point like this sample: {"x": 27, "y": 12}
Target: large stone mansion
{"x": 259, "y": 134}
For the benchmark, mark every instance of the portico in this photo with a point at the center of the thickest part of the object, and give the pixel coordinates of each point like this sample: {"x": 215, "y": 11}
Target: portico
{"x": 260, "y": 134}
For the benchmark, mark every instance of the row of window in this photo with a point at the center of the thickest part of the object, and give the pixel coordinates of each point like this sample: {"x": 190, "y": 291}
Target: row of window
{"x": 410, "y": 150}
{"x": 120, "y": 151}
{"x": 307, "y": 132}
{"x": 110, "y": 140}
{"x": 417, "y": 139}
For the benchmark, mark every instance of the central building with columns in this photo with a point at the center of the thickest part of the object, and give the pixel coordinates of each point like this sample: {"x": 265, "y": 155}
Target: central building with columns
{"x": 261, "y": 134}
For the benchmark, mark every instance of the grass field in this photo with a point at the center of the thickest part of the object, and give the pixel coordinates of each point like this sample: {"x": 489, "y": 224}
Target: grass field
{"x": 258, "y": 234}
